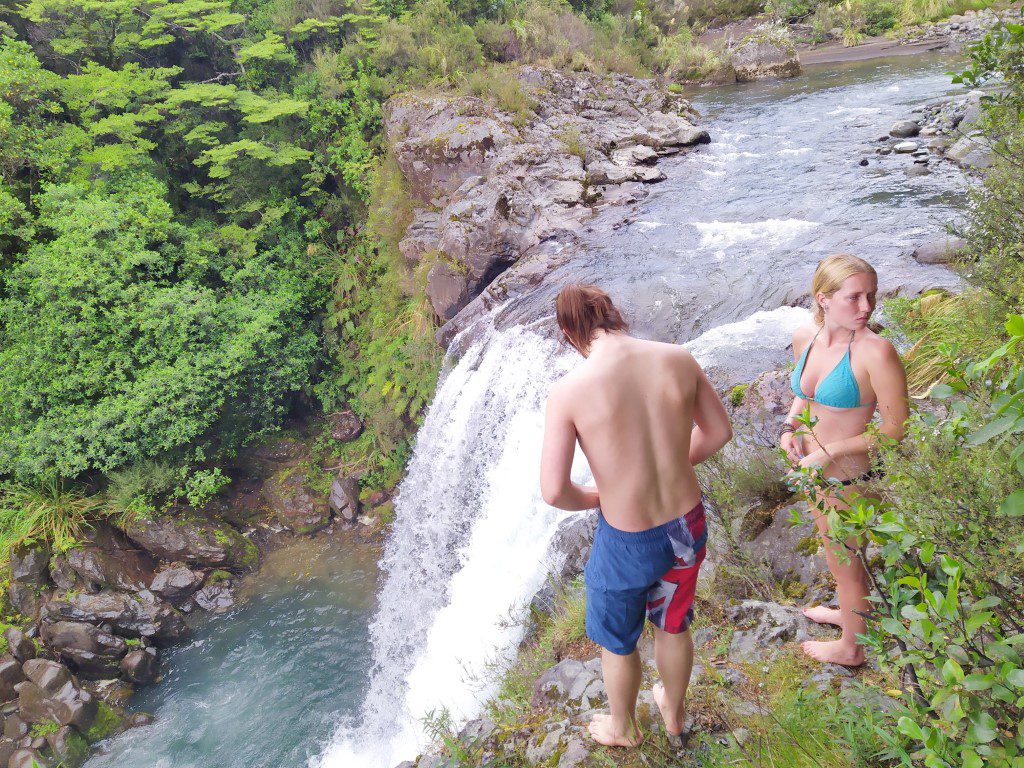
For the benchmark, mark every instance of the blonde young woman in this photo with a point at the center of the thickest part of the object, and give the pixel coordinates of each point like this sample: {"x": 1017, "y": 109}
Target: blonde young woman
{"x": 844, "y": 373}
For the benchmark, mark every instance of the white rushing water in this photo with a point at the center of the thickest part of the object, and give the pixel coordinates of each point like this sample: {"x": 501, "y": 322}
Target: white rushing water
{"x": 467, "y": 551}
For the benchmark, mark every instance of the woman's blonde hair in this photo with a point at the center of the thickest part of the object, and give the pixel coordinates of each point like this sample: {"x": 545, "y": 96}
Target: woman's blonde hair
{"x": 829, "y": 277}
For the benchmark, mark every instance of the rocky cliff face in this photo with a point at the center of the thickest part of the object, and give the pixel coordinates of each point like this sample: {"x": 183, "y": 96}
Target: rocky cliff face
{"x": 492, "y": 185}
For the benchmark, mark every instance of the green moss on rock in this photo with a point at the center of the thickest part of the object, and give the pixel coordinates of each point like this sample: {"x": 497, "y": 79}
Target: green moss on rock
{"x": 107, "y": 721}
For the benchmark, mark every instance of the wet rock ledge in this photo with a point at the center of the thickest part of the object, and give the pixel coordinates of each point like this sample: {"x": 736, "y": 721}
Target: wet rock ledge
{"x": 95, "y": 619}
{"x": 490, "y": 184}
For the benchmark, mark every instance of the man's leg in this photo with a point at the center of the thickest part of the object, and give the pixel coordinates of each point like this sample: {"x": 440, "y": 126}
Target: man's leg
{"x": 622, "y": 677}
{"x": 673, "y": 653}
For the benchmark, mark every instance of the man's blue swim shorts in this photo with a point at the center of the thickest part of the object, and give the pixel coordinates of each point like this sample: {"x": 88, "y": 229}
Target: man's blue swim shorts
{"x": 650, "y": 573}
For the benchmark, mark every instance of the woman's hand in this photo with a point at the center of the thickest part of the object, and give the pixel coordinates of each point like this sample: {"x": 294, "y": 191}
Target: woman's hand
{"x": 818, "y": 458}
{"x": 793, "y": 445}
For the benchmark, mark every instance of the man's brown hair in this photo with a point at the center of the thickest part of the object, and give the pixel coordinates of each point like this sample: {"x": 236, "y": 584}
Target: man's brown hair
{"x": 581, "y": 310}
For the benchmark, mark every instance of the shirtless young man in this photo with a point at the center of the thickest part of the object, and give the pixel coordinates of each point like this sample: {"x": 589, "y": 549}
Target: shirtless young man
{"x": 644, "y": 414}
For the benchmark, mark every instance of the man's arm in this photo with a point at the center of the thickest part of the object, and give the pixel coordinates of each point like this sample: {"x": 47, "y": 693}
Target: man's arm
{"x": 711, "y": 427}
{"x": 556, "y": 485}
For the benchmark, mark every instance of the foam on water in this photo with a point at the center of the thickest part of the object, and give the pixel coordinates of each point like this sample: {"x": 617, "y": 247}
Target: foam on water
{"x": 721, "y": 234}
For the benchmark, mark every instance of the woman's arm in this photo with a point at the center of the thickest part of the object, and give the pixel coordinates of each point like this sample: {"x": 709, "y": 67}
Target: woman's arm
{"x": 556, "y": 485}
{"x": 711, "y": 427}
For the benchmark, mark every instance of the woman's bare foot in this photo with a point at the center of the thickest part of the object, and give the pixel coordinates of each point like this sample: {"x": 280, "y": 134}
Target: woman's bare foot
{"x": 673, "y": 726}
{"x": 602, "y": 732}
{"x": 823, "y": 615}
{"x": 834, "y": 652}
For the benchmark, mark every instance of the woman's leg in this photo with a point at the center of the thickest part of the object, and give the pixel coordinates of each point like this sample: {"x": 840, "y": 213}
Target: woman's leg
{"x": 852, "y": 588}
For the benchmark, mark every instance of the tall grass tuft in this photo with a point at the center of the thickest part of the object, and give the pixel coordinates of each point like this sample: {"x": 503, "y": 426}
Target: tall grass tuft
{"x": 49, "y": 512}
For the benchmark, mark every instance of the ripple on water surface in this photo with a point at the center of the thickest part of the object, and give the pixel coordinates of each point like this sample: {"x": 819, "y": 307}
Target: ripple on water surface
{"x": 263, "y": 685}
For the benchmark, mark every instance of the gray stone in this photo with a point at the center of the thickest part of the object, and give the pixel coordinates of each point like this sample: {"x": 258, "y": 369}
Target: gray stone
{"x": 29, "y": 563}
{"x": 905, "y": 147}
{"x": 63, "y": 575}
{"x": 139, "y": 615}
{"x": 7, "y": 748}
{"x": 904, "y": 129}
{"x": 19, "y": 645}
{"x": 176, "y": 583}
{"x": 15, "y": 728}
{"x": 26, "y": 598}
{"x": 763, "y": 628}
{"x": 344, "y": 498}
{"x": 28, "y": 758}
{"x": 791, "y": 552}
{"x": 140, "y": 665}
{"x": 345, "y": 425}
{"x": 971, "y": 152}
{"x": 108, "y": 559}
{"x": 216, "y": 597}
{"x": 542, "y": 746}
{"x": 202, "y": 542}
{"x": 48, "y": 675}
{"x": 576, "y": 753}
{"x": 11, "y": 674}
{"x": 917, "y": 170}
{"x": 766, "y": 52}
{"x": 68, "y": 746}
{"x": 296, "y": 506}
{"x": 477, "y": 732}
{"x": 68, "y": 706}
{"x": 941, "y": 251}
{"x": 93, "y": 652}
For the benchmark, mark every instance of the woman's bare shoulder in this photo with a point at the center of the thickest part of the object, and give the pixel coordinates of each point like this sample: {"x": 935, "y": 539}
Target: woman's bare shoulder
{"x": 802, "y": 336}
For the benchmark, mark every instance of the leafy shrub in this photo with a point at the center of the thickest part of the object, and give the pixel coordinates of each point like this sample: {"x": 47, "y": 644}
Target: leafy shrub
{"x": 880, "y": 17}
{"x": 128, "y": 336}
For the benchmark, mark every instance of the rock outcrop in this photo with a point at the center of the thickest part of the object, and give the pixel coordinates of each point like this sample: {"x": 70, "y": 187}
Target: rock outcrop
{"x": 201, "y": 542}
{"x": 492, "y": 185}
{"x": 768, "y": 51}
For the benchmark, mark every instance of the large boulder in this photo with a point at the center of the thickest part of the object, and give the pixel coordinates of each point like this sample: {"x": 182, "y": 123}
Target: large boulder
{"x": 345, "y": 425}
{"x": 141, "y": 665}
{"x": 941, "y": 251}
{"x": 109, "y": 559}
{"x": 296, "y": 506}
{"x": 762, "y": 628}
{"x": 971, "y": 152}
{"x": 29, "y": 563}
{"x": 11, "y": 674}
{"x": 94, "y": 653}
{"x": 26, "y": 598}
{"x": 759, "y": 407}
{"x": 67, "y": 706}
{"x": 19, "y": 645}
{"x": 344, "y": 498}
{"x": 137, "y": 615}
{"x": 201, "y": 542}
{"x": 768, "y": 51}
{"x": 176, "y": 583}
{"x": 493, "y": 185}
{"x": 790, "y": 552}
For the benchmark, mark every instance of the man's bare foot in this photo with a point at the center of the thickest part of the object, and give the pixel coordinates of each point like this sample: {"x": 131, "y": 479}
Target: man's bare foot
{"x": 823, "y": 615}
{"x": 673, "y": 726}
{"x": 602, "y": 732}
{"x": 834, "y": 652}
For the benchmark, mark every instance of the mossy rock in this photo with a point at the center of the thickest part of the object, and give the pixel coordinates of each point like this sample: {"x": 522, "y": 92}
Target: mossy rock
{"x": 107, "y": 722}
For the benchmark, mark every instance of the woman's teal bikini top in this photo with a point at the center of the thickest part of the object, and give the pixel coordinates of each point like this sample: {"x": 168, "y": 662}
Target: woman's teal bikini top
{"x": 838, "y": 390}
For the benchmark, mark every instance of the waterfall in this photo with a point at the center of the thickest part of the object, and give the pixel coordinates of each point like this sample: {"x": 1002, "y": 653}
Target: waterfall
{"x": 467, "y": 550}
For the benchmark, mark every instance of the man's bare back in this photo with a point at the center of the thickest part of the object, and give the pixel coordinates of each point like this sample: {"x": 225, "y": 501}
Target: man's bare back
{"x": 632, "y": 406}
